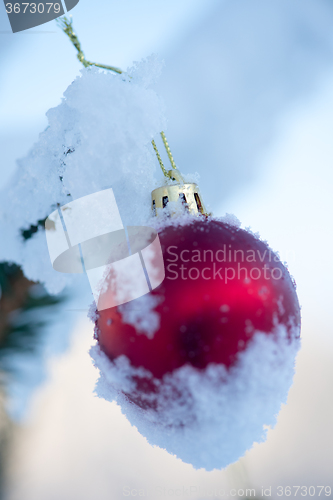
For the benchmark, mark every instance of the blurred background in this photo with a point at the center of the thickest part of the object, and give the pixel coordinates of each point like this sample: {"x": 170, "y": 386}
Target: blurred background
{"x": 248, "y": 89}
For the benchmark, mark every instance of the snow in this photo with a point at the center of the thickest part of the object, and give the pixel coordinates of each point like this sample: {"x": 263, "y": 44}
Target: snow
{"x": 217, "y": 414}
{"x": 142, "y": 315}
{"x": 180, "y": 217}
{"x": 98, "y": 137}
{"x": 232, "y": 220}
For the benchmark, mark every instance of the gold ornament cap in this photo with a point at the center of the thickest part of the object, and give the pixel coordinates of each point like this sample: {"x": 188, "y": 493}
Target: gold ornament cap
{"x": 187, "y": 192}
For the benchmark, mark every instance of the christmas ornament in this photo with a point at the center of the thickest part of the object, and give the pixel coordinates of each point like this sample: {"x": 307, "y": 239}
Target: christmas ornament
{"x": 211, "y": 302}
{"x": 202, "y": 363}
{"x": 222, "y": 285}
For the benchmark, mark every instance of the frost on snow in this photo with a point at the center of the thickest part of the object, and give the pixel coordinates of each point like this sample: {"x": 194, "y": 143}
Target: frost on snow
{"x": 98, "y": 137}
{"x": 218, "y": 414}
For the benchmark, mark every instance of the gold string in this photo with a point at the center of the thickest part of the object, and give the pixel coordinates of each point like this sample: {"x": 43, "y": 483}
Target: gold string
{"x": 160, "y": 159}
{"x": 167, "y": 147}
{"x": 67, "y": 27}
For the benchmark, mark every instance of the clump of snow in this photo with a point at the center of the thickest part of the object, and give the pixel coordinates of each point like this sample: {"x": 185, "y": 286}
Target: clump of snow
{"x": 98, "y": 137}
{"x": 146, "y": 72}
{"x": 231, "y": 220}
{"x": 141, "y": 314}
{"x": 120, "y": 376}
{"x": 174, "y": 214}
{"x": 93, "y": 313}
{"x": 207, "y": 418}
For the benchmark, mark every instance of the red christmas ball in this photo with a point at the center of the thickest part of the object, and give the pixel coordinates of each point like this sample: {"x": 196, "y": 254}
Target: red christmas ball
{"x": 222, "y": 285}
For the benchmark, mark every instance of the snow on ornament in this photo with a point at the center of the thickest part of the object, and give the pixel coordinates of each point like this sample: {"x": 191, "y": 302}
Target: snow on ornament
{"x": 209, "y": 371}
{"x": 202, "y": 363}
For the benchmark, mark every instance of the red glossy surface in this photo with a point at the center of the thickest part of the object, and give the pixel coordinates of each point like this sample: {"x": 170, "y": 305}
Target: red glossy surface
{"x": 208, "y": 314}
